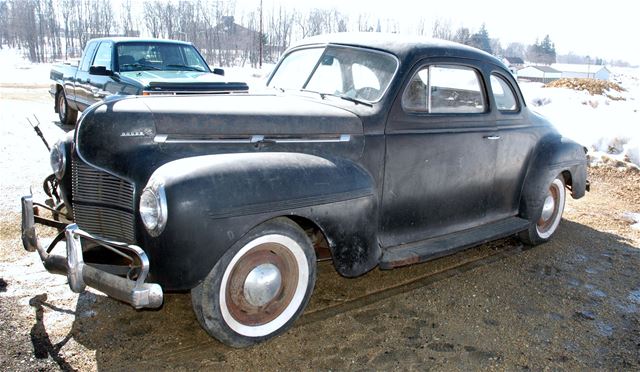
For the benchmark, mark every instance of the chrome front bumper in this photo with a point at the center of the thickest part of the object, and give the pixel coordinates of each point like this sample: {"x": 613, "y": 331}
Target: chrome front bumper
{"x": 136, "y": 292}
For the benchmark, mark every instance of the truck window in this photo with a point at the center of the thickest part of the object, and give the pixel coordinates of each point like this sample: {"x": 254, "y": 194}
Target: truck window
{"x": 88, "y": 56}
{"x": 103, "y": 55}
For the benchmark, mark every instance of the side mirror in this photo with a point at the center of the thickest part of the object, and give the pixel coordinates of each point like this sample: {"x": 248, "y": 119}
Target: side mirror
{"x": 218, "y": 71}
{"x": 100, "y": 70}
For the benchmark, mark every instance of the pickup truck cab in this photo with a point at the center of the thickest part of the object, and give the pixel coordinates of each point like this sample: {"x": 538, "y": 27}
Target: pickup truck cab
{"x": 133, "y": 66}
{"x": 374, "y": 150}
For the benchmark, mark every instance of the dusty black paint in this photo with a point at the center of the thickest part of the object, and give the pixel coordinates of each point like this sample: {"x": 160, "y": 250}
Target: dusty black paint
{"x": 371, "y": 193}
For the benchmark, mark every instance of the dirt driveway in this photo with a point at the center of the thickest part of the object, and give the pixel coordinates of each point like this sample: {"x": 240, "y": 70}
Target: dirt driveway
{"x": 573, "y": 303}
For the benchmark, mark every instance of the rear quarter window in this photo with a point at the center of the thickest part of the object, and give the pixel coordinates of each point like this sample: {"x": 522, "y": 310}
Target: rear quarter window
{"x": 503, "y": 94}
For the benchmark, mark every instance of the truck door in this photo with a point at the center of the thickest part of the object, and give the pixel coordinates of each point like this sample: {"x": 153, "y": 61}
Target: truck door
{"x": 440, "y": 156}
{"x": 79, "y": 84}
{"x": 99, "y": 84}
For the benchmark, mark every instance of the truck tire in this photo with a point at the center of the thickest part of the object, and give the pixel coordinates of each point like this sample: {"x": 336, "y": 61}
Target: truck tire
{"x": 259, "y": 287}
{"x": 66, "y": 114}
{"x": 546, "y": 219}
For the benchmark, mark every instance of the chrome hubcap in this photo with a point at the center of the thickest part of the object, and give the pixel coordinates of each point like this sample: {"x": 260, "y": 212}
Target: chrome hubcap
{"x": 61, "y": 106}
{"x": 262, "y": 284}
{"x": 548, "y": 207}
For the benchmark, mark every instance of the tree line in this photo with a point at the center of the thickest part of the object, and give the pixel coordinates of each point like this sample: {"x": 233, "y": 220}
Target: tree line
{"x": 50, "y": 30}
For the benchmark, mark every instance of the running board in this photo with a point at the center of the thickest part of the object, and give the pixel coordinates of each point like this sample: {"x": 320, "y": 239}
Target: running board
{"x": 430, "y": 249}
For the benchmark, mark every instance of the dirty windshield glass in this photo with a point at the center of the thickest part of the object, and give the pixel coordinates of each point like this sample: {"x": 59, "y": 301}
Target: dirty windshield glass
{"x": 159, "y": 56}
{"x": 338, "y": 71}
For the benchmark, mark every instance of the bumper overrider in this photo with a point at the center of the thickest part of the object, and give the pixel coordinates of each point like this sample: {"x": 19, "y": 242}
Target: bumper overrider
{"x": 136, "y": 292}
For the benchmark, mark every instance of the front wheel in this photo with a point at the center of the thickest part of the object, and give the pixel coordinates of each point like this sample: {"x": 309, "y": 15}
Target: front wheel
{"x": 546, "y": 220}
{"x": 259, "y": 287}
{"x": 66, "y": 114}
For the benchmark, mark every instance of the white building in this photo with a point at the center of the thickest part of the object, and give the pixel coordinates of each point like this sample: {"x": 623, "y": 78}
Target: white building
{"x": 582, "y": 71}
{"x": 513, "y": 63}
{"x": 542, "y": 74}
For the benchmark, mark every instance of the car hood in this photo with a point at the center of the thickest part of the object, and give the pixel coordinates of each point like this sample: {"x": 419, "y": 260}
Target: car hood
{"x": 250, "y": 115}
{"x": 148, "y": 77}
{"x": 161, "y": 128}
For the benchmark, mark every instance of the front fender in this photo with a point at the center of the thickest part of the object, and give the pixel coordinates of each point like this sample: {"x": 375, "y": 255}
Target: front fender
{"x": 214, "y": 200}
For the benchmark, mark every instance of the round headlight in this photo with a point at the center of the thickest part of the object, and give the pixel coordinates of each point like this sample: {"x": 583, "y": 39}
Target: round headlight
{"x": 153, "y": 209}
{"x": 58, "y": 160}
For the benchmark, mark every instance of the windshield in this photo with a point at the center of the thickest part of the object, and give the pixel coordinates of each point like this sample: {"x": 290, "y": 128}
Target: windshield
{"x": 159, "y": 56}
{"x": 340, "y": 71}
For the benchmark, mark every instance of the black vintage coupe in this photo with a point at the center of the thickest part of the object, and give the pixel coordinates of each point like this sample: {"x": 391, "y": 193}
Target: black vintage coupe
{"x": 384, "y": 149}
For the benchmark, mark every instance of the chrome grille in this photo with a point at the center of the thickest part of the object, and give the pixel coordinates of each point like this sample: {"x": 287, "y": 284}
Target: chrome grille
{"x": 102, "y": 203}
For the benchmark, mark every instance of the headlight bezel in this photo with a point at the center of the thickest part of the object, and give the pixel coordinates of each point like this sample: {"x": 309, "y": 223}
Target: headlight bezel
{"x": 58, "y": 159}
{"x": 153, "y": 216}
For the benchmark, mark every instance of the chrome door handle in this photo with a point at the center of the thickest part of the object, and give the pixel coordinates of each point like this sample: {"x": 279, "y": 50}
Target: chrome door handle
{"x": 491, "y": 137}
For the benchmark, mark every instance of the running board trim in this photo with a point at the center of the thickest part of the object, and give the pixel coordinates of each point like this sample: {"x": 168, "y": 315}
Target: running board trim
{"x": 425, "y": 250}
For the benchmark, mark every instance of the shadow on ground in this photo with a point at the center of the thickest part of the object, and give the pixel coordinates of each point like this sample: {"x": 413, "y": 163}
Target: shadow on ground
{"x": 571, "y": 303}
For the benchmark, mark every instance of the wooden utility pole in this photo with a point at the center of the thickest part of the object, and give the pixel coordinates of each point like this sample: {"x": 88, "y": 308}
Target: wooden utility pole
{"x": 261, "y": 37}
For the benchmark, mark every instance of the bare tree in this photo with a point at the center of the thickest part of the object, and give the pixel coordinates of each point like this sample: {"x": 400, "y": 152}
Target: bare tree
{"x": 516, "y": 50}
{"x": 442, "y": 30}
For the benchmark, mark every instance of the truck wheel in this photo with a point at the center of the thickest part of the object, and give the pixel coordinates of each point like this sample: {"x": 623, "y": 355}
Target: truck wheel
{"x": 66, "y": 114}
{"x": 259, "y": 287}
{"x": 549, "y": 214}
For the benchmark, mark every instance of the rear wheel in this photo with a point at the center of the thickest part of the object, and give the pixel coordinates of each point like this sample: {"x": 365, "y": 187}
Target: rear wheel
{"x": 259, "y": 287}
{"x": 66, "y": 114}
{"x": 546, "y": 220}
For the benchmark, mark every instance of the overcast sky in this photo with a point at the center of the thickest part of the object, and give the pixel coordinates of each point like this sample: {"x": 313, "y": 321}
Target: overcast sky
{"x": 606, "y": 29}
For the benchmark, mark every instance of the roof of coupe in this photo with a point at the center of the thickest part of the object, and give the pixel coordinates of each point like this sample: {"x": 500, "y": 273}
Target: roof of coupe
{"x": 398, "y": 44}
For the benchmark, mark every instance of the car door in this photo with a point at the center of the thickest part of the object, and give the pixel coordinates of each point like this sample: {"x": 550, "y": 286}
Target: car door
{"x": 440, "y": 154}
{"x": 518, "y": 138}
{"x": 80, "y": 82}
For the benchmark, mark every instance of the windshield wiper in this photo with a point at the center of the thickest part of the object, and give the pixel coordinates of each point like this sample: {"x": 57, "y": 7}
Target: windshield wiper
{"x": 348, "y": 98}
{"x": 185, "y": 67}
{"x": 342, "y": 96}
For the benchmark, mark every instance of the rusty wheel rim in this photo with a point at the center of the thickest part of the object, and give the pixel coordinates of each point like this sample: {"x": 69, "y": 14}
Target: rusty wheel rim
{"x": 279, "y": 301}
{"x": 241, "y": 306}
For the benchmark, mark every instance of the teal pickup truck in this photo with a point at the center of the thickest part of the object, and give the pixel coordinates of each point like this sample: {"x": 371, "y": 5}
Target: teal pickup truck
{"x": 134, "y": 66}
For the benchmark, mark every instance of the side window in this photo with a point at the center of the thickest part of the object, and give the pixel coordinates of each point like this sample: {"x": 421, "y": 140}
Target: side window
{"x": 455, "y": 89}
{"x": 443, "y": 89}
{"x": 415, "y": 96}
{"x": 103, "y": 55}
{"x": 87, "y": 56}
{"x": 503, "y": 94}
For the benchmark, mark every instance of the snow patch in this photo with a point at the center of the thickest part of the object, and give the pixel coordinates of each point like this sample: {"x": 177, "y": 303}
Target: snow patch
{"x": 633, "y": 219}
{"x": 608, "y": 125}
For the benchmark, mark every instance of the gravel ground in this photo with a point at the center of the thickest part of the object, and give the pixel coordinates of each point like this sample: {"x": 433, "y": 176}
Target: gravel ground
{"x": 573, "y": 303}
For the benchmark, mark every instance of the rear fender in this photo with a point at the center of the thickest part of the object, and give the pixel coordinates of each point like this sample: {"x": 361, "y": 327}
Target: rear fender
{"x": 554, "y": 155}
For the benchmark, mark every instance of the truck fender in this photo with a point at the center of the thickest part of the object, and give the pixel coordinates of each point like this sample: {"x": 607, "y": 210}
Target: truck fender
{"x": 213, "y": 200}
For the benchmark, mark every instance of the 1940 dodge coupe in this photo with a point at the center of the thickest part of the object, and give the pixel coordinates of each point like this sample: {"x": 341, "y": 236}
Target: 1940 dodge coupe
{"x": 384, "y": 149}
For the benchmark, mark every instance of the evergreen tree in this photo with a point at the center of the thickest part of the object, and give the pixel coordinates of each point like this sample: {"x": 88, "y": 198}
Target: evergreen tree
{"x": 548, "y": 50}
{"x": 481, "y": 39}
{"x": 542, "y": 52}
